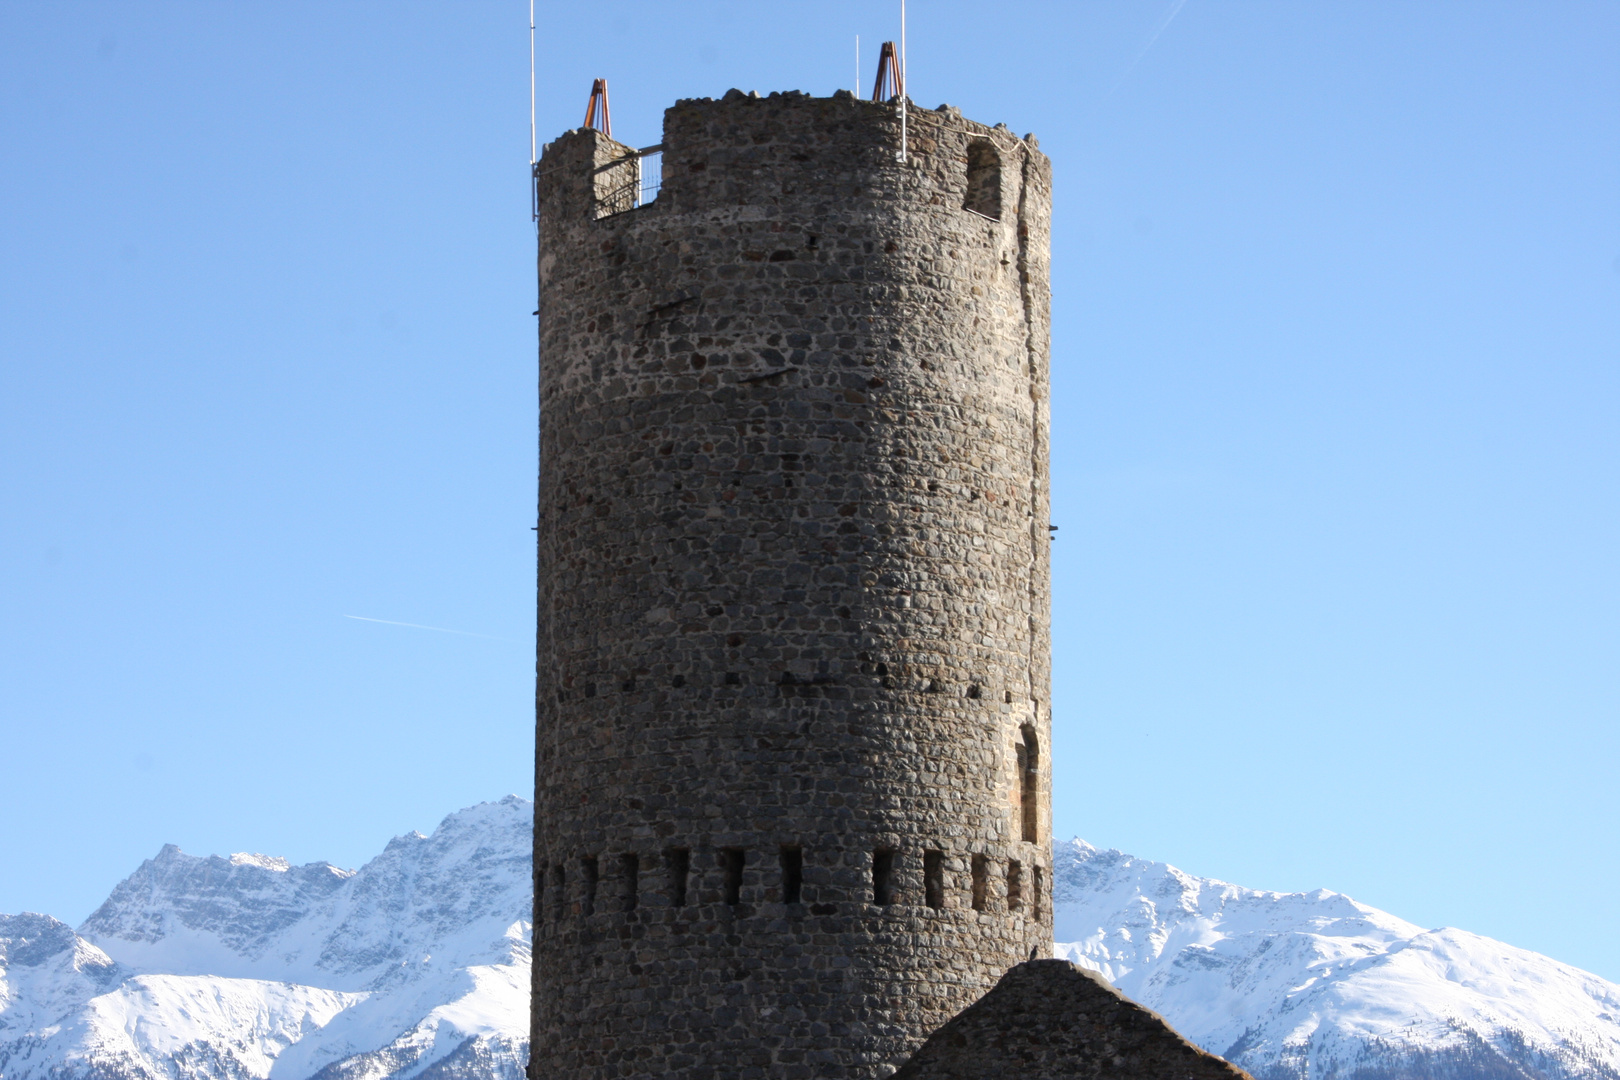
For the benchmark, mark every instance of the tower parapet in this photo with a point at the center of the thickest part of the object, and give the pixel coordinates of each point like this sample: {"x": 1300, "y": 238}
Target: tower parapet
{"x": 792, "y": 794}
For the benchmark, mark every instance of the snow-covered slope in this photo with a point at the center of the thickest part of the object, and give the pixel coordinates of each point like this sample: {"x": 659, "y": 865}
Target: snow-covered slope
{"x": 417, "y": 965}
{"x": 1310, "y": 986}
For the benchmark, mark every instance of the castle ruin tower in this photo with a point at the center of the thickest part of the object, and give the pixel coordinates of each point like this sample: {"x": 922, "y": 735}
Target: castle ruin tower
{"x": 792, "y": 746}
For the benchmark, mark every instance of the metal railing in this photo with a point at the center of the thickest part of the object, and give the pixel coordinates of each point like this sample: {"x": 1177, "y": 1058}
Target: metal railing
{"x": 630, "y": 182}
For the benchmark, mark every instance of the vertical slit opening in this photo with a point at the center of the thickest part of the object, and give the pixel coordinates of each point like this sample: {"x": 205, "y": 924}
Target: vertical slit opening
{"x": 792, "y": 874}
{"x": 589, "y": 871}
{"x": 629, "y": 880}
{"x": 1040, "y": 882}
{"x": 883, "y": 876}
{"x": 934, "y": 878}
{"x": 679, "y": 862}
{"x": 1015, "y": 885}
{"x": 981, "y": 881}
{"x": 1029, "y": 783}
{"x": 731, "y": 862}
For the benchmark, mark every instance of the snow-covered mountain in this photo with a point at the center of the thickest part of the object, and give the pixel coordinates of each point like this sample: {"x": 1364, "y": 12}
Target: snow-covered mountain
{"x": 1312, "y": 986}
{"x": 416, "y": 967}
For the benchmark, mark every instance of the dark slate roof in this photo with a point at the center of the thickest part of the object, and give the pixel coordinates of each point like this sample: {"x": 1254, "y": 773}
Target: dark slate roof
{"x": 1052, "y": 1020}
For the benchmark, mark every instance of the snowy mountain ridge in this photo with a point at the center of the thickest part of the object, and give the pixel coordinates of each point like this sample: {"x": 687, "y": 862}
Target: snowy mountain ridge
{"x": 1304, "y": 985}
{"x": 417, "y": 966}
{"x": 454, "y": 895}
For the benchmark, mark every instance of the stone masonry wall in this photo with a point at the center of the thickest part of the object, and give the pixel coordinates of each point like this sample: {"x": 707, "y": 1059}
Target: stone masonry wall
{"x": 793, "y": 590}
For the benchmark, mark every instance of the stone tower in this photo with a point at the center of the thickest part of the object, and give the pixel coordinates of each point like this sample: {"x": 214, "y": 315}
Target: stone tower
{"x": 792, "y": 787}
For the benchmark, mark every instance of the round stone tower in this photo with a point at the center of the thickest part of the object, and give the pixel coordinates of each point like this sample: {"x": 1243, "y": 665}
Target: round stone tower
{"x": 792, "y": 787}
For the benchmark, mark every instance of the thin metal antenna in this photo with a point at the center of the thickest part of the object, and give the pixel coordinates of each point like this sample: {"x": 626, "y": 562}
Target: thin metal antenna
{"x": 534, "y": 155}
{"x": 902, "y": 81}
{"x": 532, "y": 148}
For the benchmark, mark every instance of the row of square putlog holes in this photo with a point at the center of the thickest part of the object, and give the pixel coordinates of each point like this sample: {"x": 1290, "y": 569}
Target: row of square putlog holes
{"x": 678, "y": 863}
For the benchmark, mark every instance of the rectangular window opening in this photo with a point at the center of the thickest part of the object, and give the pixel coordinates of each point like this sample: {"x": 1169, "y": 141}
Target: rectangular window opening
{"x": 883, "y": 876}
{"x": 731, "y": 861}
{"x": 629, "y": 880}
{"x": 983, "y": 195}
{"x": 679, "y": 862}
{"x": 1015, "y": 885}
{"x": 792, "y": 874}
{"x": 1040, "y": 882}
{"x": 934, "y": 878}
{"x": 589, "y": 871}
{"x": 981, "y": 882}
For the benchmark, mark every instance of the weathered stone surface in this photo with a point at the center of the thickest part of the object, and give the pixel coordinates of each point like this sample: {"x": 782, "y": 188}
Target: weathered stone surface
{"x": 1053, "y": 1020}
{"x": 793, "y": 589}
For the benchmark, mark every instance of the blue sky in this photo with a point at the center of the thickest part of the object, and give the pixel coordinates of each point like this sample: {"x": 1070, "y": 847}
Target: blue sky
{"x": 1336, "y": 368}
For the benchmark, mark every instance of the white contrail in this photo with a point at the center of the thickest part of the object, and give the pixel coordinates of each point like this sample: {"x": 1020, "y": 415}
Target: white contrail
{"x": 419, "y": 626}
{"x": 1164, "y": 21}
